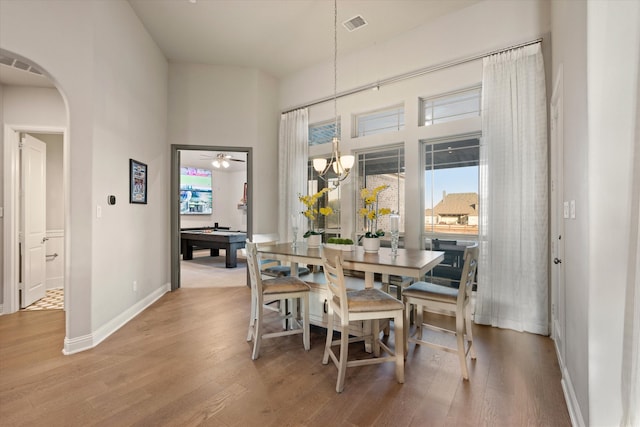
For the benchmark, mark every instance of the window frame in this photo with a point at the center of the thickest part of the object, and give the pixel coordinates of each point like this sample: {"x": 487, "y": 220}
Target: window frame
{"x": 357, "y": 117}
{"x": 423, "y": 100}
{"x": 401, "y": 192}
{"x": 427, "y": 236}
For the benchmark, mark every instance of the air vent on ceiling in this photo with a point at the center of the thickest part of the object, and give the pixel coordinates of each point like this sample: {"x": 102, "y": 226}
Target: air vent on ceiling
{"x": 354, "y": 23}
{"x": 16, "y": 63}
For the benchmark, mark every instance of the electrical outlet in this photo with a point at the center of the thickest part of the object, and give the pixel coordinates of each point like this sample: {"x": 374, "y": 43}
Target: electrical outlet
{"x": 135, "y": 286}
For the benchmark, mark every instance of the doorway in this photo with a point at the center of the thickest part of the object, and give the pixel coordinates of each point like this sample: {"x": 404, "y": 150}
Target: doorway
{"x": 34, "y": 218}
{"x": 235, "y": 200}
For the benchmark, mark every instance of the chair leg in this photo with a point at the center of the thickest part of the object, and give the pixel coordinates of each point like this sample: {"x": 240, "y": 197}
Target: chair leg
{"x": 461, "y": 347}
{"x": 257, "y": 334}
{"x": 327, "y": 345}
{"x": 398, "y": 325}
{"x": 407, "y": 324}
{"x": 419, "y": 320}
{"x": 344, "y": 353}
{"x": 305, "y": 318}
{"x": 375, "y": 337}
{"x": 252, "y": 319}
{"x": 472, "y": 349}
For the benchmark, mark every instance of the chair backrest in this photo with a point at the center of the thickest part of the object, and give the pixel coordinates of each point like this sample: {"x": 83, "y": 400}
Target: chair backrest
{"x": 254, "y": 267}
{"x": 334, "y": 274}
{"x": 468, "y": 273}
{"x": 264, "y": 239}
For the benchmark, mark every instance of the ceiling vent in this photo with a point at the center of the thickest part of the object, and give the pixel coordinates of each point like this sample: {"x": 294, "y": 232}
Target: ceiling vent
{"x": 16, "y": 63}
{"x": 354, "y": 23}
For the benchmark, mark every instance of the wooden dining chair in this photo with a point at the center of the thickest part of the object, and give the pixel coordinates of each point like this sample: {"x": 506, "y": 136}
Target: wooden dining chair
{"x": 429, "y": 297}
{"x": 272, "y": 267}
{"x": 278, "y": 289}
{"x": 369, "y": 305}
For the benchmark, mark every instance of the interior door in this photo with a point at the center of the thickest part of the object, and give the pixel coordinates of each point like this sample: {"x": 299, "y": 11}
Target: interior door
{"x": 33, "y": 195}
{"x": 560, "y": 210}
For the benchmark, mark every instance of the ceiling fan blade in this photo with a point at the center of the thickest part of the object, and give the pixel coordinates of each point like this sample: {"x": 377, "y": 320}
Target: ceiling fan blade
{"x": 235, "y": 160}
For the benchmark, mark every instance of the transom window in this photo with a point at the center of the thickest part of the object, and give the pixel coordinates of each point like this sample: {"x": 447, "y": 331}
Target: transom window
{"x": 322, "y": 133}
{"x": 451, "y": 106}
{"x": 380, "y": 121}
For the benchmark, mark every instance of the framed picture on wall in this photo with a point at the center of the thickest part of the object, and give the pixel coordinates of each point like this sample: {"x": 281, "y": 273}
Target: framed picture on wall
{"x": 137, "y": 182}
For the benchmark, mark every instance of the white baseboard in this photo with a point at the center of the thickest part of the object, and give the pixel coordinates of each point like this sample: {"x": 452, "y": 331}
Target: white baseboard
{"x": 569, "y": 392}
{"x": 87, "y": 342}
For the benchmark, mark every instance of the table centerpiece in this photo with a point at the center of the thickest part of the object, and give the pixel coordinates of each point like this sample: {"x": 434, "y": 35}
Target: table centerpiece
{"x": 313, "y": 235}
{"x": 371, "y": 212}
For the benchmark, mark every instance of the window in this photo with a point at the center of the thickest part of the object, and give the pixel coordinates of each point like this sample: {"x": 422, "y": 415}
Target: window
{"x": 384, "y": 167}
{"x": 381, "y": 121}
{"x": 451, "y": 106}
{"x": 322, "y": 133}
{"x": 451, "y": 187}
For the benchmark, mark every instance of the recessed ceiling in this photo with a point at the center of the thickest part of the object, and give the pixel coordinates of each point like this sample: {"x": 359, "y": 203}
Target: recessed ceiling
{"x": 278, "y": 36}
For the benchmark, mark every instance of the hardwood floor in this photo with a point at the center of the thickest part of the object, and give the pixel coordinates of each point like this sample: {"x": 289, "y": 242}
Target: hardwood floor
{"x": 185, "y": 361}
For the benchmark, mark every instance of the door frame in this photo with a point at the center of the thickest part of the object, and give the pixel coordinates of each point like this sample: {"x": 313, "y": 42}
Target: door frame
{"x": 175, "y": 198}
{"x": 559, "y": 213}
{"x": 11, "y": 203}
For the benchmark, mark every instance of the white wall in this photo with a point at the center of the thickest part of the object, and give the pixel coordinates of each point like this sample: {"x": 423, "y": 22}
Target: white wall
{"x": 613, "y": 52}
{"x": 130, "y": 242}
{"x": 55, "y": 208}
{"x": 113, "y": 80}
{"x": 230, "y": 106}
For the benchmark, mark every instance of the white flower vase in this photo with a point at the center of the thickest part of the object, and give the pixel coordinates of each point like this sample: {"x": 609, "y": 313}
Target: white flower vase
{"x": 371, "y": 244}
{"x": 314, "y": 240}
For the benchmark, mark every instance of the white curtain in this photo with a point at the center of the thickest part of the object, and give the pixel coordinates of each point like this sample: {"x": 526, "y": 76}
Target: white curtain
{"x": 293, "y": 149}
{"x": 513, "y": 267}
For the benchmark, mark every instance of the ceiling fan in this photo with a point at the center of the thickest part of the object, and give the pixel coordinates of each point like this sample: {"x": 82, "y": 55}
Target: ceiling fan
{"x": 221, "y": 160}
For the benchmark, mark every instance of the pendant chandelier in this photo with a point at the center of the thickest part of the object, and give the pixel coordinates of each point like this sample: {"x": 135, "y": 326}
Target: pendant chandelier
{"x": 341, "y": 165}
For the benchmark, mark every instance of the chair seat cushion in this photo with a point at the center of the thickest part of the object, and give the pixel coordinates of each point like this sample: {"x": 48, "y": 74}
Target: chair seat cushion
{"x": 365, "y": 300}
{"x": 430, "y": 291}
{"x": 281, "y": 285}
{"x": 283, "y": 270}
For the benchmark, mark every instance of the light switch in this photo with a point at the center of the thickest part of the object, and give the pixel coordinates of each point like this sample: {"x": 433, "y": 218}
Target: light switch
{"x": 565, "y": 212}
{"x": 573, "y": 209}
{"x": 98, "y": 211}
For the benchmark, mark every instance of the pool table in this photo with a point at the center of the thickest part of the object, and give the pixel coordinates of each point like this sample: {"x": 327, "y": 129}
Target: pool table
{"x": 215, "y": 240}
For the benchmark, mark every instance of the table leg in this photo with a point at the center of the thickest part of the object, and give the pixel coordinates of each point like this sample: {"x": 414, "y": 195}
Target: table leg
{"x": 187, "y": 250}
{"x": 231, "y": 257}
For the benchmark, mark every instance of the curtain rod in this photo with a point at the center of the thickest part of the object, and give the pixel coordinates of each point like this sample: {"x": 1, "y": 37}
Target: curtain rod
{"x": 410, "y": 75}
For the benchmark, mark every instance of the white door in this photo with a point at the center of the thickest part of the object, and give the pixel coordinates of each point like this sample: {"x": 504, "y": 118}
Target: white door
{"x": 560, "y": 210}
{"x": 33, "y": 195}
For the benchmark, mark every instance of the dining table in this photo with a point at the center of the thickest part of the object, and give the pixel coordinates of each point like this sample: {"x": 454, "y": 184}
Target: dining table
{"x": 413, "y": 263}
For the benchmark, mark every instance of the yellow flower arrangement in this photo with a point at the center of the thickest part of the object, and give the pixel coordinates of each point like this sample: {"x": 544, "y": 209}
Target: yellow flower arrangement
{"x": 312, "y": 211}
{"x": 370, "y": 211}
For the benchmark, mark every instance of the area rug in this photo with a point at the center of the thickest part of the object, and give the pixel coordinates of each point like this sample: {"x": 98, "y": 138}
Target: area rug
{"x": 53, "y": 300}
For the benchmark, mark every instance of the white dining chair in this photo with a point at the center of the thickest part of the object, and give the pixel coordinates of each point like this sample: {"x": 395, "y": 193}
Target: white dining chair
{"x": 434, "y": 298}
{"x": 368, "y": 304}
{"x": 278, "y": 289}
